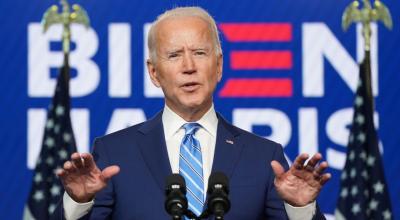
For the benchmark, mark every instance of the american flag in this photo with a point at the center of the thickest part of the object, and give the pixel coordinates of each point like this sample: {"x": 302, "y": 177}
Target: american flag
{"x": 58, "y": 143}
{"x": 364, "y": 193}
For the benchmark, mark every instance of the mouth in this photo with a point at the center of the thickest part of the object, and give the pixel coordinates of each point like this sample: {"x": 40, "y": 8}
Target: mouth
{"x": 190, "y": 86}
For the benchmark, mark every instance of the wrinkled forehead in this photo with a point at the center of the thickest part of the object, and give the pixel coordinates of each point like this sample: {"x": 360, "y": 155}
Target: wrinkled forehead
{"x": 184, "y": 29}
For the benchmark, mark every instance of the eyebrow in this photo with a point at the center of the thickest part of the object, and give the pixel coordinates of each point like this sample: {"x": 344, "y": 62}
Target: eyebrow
{"x": 180, "y": 50}
{"x": 204, "y": 47}
{"x": 174, "y": 51}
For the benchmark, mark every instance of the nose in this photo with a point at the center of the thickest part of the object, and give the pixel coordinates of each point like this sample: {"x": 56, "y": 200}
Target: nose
{"x": 189, "y": 66}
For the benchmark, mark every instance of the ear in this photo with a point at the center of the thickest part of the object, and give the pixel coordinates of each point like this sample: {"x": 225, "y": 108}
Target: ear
{"x": 151, "y": 68}
{"x": 220, "y": 62}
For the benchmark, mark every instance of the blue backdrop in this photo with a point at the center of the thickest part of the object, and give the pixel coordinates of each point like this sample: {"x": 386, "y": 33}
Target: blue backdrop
{"x": 290, "y": 74}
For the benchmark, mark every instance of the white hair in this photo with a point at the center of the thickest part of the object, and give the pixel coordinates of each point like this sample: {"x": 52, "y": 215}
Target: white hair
{"x": 183, "y": 12}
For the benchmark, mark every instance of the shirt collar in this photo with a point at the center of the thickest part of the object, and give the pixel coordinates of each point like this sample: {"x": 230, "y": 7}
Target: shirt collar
{"x": 172, "y": 122}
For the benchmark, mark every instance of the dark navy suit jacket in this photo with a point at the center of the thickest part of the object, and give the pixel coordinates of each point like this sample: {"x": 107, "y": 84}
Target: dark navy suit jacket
{"x": 137, "y": 192}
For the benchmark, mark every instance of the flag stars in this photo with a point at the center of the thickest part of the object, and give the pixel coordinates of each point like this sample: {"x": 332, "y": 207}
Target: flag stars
{"x": 51, "y": 209}
{"x": 57, "y": 143}
{"x": 57, "y": 129}
{"x": 378, "y": 187}
{"x": 363, "y": 191}
{"x": 387, "y": 214}
{"x": 373, "y": 205}
{"x": 359, "y": 101}
{"x": 67, "y": 137}
{"x": 354, "y": 191}
{"x": 352, "y": 155}
{"x": 353, "y": 173}
{"x": 364, "y": 174}
{"x": 363, "y": 155}
{"x": 50, "y": 161}
{"x": 361, "y": 137}
{"x": 60, "y": 110}
{"x": 356, "y": 209}
{"x": 360, "y": 119}
{"x": 344, "y": 193}
{"x": 49, "y": 142}
{"x": 38, "y": 178}
{"x": 49, "y": 124}
{"x": 38, "y": 195}
{"x": 55, "y": 190}
{"x": 344, "y": 175}
{"x": 63, "y": 154}
{"x": 371, "y": 161}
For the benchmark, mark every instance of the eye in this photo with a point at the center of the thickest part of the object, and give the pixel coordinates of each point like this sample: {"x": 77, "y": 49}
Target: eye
{"x": 172, "y": 55}
{"x": 200, "y": 53}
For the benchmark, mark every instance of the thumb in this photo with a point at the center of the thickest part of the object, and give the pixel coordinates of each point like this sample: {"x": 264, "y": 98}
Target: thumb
{"x": 277, "y": 168}
{"x": 109, "y": 172}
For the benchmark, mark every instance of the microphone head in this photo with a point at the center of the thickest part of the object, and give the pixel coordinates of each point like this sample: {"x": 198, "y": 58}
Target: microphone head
{"x": 218, "y": 202}
{"x": 175, "y": 182}
{"x": 176, "y": 203}
{"x": 218, "y": 180}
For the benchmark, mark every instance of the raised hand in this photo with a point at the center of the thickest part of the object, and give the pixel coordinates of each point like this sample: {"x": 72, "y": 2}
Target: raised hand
{"x": 301, "y": 184}
{"x": 82, "y": 179}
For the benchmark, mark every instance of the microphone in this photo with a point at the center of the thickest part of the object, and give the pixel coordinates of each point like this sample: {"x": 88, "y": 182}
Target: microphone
{"x": 176, "y": 203}
{"x": 218, "y": 189}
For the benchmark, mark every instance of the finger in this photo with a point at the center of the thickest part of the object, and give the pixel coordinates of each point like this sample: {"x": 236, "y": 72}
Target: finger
{"x": 88, "y": 160}
{"x": 325, "y": 178}
{"x": 61, "y": 173}
{"x": 109, "y": 172}
{"x": 277, "y": 168}
{"x": 68, "y": 167}
{"x": 313, "y": 161}
{"x": 77, "y": 160}
{"x": 299, "y": 161}
{"x": 321, "y": 168}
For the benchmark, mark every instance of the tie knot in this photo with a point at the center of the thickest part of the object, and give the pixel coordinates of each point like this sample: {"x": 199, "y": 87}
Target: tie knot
{"x": 191, "y": 128}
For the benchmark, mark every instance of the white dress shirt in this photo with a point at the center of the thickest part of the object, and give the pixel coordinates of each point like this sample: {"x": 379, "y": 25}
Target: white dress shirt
{"x": 206, "y": 135}
{"x": 174, "y": 132}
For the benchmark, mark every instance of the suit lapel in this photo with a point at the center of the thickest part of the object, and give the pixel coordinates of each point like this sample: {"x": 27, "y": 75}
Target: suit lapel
{"x": 227, "y": 148}
{"x": 154, "y": 149}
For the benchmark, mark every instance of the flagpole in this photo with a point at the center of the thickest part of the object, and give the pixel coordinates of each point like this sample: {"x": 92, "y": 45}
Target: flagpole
{"x": 58, "y": 140}
{"x": 363, "y": 190}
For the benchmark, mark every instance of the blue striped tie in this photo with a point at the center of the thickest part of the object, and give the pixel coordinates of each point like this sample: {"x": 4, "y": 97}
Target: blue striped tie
{"x": 191, "y": 168}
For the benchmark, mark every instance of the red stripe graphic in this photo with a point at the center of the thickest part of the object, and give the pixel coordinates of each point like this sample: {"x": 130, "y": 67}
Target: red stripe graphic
{"x": 257, "y": 88}
{"x": 261, "y": 60}
{"x": 257, "y": 32}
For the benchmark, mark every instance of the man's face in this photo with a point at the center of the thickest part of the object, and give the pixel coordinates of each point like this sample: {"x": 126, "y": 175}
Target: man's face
{"x": 187, "y": 67}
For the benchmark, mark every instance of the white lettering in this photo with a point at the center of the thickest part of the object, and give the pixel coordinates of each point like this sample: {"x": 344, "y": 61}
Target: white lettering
{"x": 279, "y": 122}
{"x": 319, "y": 43}
{"x": 122, "y": 118}
{"x": 119, "y": 60}
{"x": 308, "y": 130}
{"x": 41, "y": 59}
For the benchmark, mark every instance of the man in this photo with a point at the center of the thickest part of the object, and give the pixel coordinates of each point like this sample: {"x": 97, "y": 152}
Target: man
{"x": 186, "y": 62}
